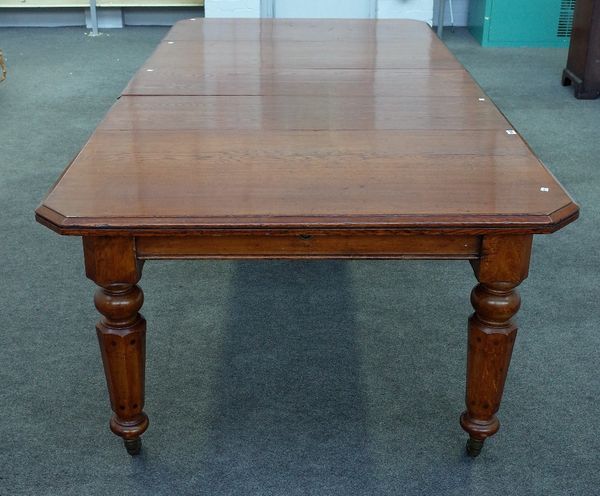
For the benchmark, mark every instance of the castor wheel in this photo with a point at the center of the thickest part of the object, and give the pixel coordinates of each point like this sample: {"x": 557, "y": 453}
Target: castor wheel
{"x": 133, "y": 446}
{"x": 565, "y": 80}
{"x": 474, "y": 447}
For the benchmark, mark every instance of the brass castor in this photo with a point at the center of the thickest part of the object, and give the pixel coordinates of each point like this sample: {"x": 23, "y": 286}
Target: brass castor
{"x": 474, "y": 447}
{"x": 133, "y": 446}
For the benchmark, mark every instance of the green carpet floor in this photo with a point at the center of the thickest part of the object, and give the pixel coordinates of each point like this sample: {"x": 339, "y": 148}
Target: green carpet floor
{"x": 288, "y": 378}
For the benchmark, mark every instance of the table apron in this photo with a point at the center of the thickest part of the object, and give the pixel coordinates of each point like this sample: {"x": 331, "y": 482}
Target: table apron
{"x": 357, "y": 246}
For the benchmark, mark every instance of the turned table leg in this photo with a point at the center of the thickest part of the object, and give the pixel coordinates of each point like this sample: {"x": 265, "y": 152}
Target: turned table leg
{"x": 503, "y": 264}
{"x": 111, "y": 263}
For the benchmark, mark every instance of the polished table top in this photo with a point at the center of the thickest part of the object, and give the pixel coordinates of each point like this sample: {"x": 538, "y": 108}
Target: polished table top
{"x": 257, "y": 124}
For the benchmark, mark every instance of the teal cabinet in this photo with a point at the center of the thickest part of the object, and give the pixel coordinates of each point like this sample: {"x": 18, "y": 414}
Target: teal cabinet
{"x": 534, "y": 23}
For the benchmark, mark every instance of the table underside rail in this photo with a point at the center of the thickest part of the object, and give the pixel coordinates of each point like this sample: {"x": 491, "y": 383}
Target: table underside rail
{"x": 306, "y": 245}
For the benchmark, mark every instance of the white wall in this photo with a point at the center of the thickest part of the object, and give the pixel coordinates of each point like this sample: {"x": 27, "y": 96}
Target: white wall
{"x": 461, "y": 12}
{"x": 232, "y": 8}
{"x": 350, "y": 9}
{"x": 409, "y": 9}
{"x": 421, "y": 10}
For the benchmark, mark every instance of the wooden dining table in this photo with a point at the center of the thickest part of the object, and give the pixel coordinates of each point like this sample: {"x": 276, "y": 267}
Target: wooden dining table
{"x": 305, "y": 139}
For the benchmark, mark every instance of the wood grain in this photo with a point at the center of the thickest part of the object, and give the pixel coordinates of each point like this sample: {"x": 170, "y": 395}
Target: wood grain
{"x": 312, "y": 124}
{"x": 503, "y": 265}
{"x": 111, "y": 263}
{"x": 317, "y": 30}
{"x": 307, "y": 179}
{"x": 423, "y": 53}
{"x": 302, "y": 113}
{"x": 262, "y": 81}
{"x": 308, "y": 245}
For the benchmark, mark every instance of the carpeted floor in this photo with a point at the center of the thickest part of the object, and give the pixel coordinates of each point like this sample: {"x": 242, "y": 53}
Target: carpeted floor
{"x": 288, "y": 378}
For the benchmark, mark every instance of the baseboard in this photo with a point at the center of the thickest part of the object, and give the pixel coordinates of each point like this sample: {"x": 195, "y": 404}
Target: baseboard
{"x": 107, "y": 18}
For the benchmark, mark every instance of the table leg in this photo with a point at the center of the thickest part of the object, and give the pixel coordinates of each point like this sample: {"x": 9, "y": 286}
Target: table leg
{"x": 503, "y": 264}
{"x": 111, "y": 263}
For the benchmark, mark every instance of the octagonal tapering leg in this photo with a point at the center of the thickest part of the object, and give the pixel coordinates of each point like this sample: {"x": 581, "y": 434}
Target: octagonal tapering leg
{"x": 490, "y": 343}
{"x": 111, "y": 263}
{"x": 503, "y": 264}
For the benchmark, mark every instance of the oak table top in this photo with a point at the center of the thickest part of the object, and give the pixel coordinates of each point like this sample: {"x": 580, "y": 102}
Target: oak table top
{"x": 253, "y": 124}
{"x": 305, "y": 139}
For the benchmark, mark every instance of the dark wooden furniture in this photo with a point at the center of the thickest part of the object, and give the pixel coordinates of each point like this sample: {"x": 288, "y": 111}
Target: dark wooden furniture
{"x": 583, "y": 65}
{"x": 305, "y": 139}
